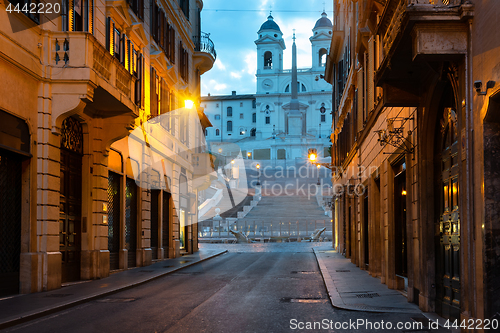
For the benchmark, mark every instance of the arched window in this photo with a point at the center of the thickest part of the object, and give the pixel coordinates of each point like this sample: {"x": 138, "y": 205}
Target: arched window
{"x": 230, "y": 126}
{"x": 268, "y": 60}
{"x": 253, "y": 131}
{"x": 217, "y": 132}
{"x": 322, "y": 57}
{"x": 300, "y": 87}
{"x": 229, "y": 111}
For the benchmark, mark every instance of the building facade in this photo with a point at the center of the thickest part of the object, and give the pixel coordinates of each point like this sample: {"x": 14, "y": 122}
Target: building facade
{"x": 251, "y": 120}
{"x": 415, "y": 89}
{"x": 74, "y": 203}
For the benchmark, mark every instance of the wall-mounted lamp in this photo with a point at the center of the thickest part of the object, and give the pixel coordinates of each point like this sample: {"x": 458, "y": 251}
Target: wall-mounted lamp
{"x": 478, "y": 86}
{"x": 394, "y": 135}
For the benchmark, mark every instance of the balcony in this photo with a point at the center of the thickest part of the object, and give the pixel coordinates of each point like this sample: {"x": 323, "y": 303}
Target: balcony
{"x": 204, "y": 52}
{"x": 78, "y": 58}
{"x": 412, "y": 33}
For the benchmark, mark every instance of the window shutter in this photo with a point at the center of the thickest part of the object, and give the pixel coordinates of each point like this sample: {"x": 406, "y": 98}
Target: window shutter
{"x": 91, "y": 17}
{"x": 110, "y": 36}
{"x": 172, "y": 45}
{"x": 71, "y": 15}
{"x": 154, "y": 98}
{"x": 140, "y": 79}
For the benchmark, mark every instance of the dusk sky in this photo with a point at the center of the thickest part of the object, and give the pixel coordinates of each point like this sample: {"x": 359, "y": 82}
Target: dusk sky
{"x": 233, "y": 27}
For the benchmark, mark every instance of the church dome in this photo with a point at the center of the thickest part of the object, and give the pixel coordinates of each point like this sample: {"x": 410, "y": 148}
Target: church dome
{"x": 270, "y": 25}
{"x": 323, "y": 22}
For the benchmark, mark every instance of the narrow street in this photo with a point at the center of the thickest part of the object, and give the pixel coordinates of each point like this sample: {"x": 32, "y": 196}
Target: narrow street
{"x": 250, "y": 289}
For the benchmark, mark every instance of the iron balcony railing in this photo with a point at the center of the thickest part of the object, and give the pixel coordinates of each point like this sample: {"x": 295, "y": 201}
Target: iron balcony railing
{"x": 203, "y": 43}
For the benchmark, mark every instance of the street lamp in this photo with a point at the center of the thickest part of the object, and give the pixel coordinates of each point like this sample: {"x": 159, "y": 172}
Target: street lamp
{"x": 249, "y": 155}
{"x": 258, "y": 169}
{"x": 312, "y": 157}
{"x": 188, "y": 104}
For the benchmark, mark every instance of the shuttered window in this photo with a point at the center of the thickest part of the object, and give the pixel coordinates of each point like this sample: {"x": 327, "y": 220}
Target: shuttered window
{"x": 78, "y": 15}
{"x": 163, "y": 33}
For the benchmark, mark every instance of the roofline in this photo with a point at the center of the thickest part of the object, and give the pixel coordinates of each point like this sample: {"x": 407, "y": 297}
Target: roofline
{"x": 226, "y": 97}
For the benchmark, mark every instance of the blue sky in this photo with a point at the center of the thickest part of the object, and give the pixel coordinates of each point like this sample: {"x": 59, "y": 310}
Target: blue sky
{"x": 233, "y": 27}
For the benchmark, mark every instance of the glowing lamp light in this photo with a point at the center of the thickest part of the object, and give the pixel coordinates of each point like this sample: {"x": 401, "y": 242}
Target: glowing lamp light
{"x": 188, "y": 104}
{"x": 312, "y": 157}
{"x": 257, "y": 166}
{"x": 319, "y": 166}
{"x": 232, "y": 162}
{"x": 404, "y": 192}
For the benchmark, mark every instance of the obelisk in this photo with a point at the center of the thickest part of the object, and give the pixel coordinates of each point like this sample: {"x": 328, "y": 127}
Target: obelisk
{"x": 295, "y": 117}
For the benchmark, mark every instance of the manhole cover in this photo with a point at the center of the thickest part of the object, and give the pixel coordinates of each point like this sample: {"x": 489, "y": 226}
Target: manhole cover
{"x": 116, "y": 300}
{"x": 303, "y": 272}
{"x": 367, "y": 295}
{"x": 302, "y": 300}
{"x": 58, "y": 295}
{"x": 342, "y": 270}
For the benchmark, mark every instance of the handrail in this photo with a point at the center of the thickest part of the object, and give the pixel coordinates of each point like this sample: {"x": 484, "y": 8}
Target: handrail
{"x": 203, "y": 43}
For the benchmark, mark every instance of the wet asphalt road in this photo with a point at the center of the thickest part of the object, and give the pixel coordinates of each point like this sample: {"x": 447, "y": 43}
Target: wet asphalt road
{"x": 246, "y": 290}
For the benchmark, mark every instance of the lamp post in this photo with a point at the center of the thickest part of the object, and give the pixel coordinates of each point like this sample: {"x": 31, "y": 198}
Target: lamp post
{"x": 318, "y": 166}
{"x": 258, "y": 170}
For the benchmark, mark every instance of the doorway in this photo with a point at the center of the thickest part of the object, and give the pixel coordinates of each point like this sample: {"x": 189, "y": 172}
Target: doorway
{"x": 131, "y": 221}
{"x": 70, "y": 199}
{"x": 400, "y": 239}
{"x": 10, "y": 221}
{"x": 114, "y": 211}
{"x": 448, "y": 224}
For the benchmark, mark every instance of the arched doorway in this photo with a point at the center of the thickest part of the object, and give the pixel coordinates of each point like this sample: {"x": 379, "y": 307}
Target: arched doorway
{"x": 70, "y": 198}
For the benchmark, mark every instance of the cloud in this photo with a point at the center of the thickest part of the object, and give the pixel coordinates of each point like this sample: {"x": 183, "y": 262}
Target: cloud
{"x": 251, "y": 62}
{"x": 235, "y": 75}
{"x": 220, "y": 65}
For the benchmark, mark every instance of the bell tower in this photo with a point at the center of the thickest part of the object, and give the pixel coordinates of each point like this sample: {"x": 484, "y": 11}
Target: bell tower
{"x": 270, "y": 47}
{"x": 320, "y": 42}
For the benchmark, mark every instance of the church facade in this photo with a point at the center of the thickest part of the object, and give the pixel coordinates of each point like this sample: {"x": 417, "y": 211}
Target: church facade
{"x": 259, "y": 123}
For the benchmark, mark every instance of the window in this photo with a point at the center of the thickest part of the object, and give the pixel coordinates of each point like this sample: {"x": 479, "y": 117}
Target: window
{"x": 241, "y": 104}
{"x": 206, "y": 132}
{"x": 229, "y": 126}
{"x": 138, "y": 8}
{"x": 322, "y": 57}
{"x": 303, "y": 88}
{"x": 268, "y": 120}
{"x": 217, "y": 132}
{"x": 254, "y": 104}
{"x": 229, "y": 111}
{"x": 76, "y": 15}
{"x": 253, "y": 131}
{"x": 268, "y": 60}
{"x": 183, "y": 62}
{"x": 323, "y": 118}
{"x": 241, "y": 115}
{"x": 217, "y": 117}
{"x": 163, "y": 33}
{"x": 184, "y": 4}
{"x": 217, "y": 105}
{"x": 254, "y": 117}
{"x": 32, "y": 14}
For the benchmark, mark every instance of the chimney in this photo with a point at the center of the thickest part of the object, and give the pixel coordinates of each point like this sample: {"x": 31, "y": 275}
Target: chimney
{"x": 208, "y": 94}
{"x": 233, "y": 92}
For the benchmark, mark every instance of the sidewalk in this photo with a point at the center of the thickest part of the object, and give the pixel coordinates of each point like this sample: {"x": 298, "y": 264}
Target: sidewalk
{"x": 351, "y": 288}
{"x": 20, "y": 308}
